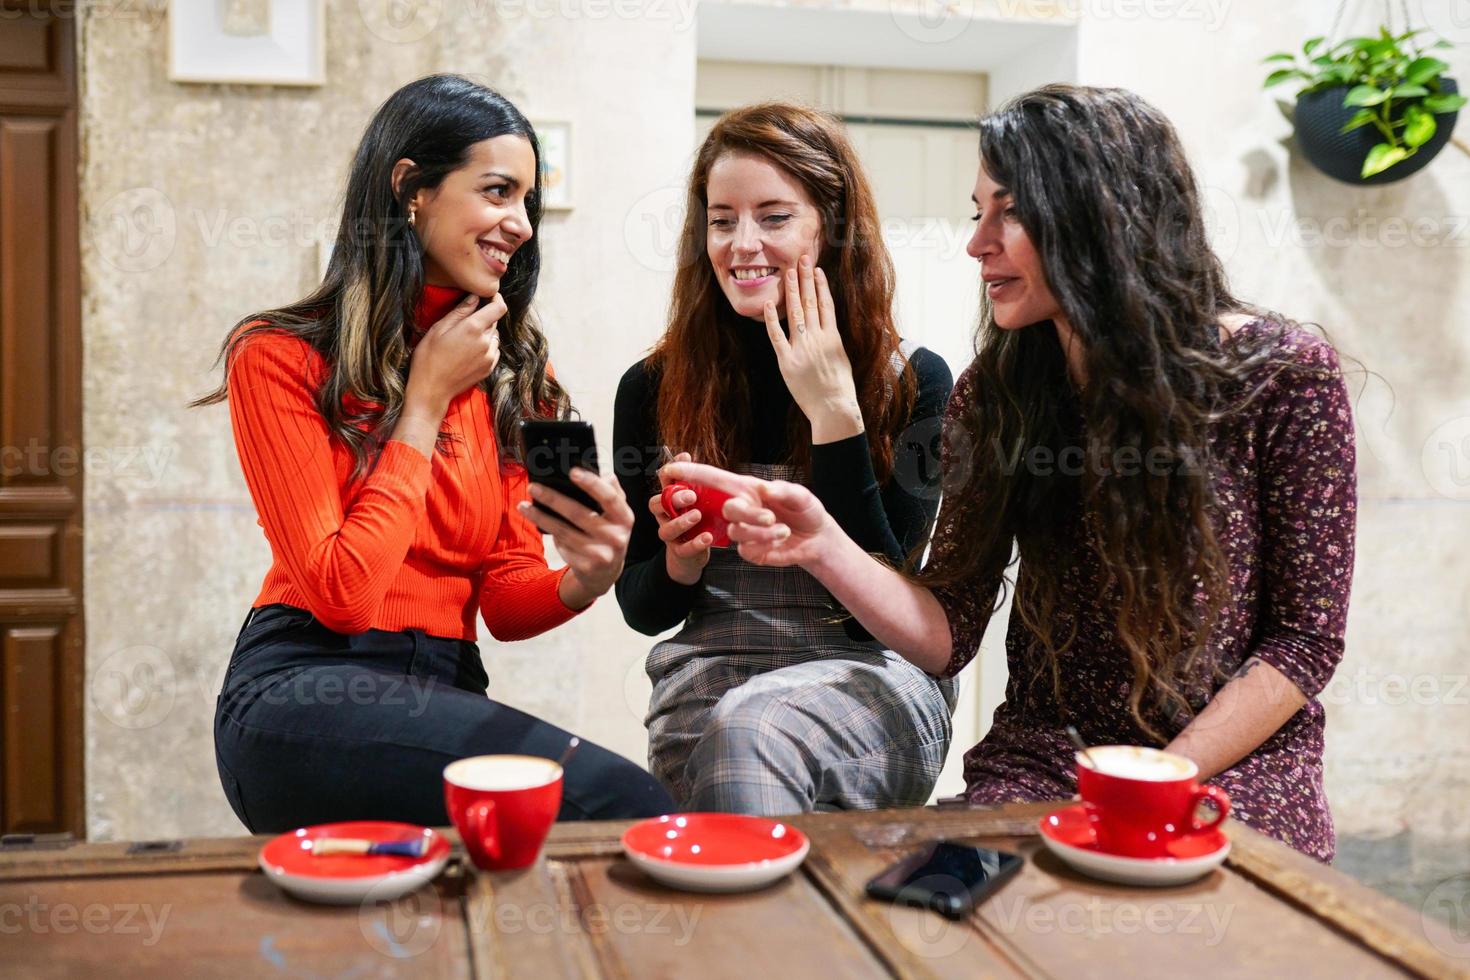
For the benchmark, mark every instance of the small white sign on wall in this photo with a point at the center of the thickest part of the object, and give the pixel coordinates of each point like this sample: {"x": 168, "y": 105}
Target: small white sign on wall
{"x": 556, "y": 164}
{"x": 252, "y": 42}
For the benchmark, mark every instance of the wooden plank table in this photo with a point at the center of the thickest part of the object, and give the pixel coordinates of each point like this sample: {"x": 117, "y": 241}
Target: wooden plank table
{"x": 202, "y": 909}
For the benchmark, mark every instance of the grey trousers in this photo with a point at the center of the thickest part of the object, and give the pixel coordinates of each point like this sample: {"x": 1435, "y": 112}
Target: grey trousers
{"x": 857, "y": 730}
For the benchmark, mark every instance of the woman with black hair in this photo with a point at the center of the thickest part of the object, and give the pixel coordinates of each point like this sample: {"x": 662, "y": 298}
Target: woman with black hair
{"x": 375, "y": 423}
{"x": 1175, "y": 468}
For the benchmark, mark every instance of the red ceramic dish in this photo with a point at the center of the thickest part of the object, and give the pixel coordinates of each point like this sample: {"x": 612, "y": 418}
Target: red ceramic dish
{"x": 713, "y": 839}
{"x": 1068, "y": 833}
{"x": 715, "y": 851}
{"x": 1071, "y": 826}
{"x": 343, "y": 878}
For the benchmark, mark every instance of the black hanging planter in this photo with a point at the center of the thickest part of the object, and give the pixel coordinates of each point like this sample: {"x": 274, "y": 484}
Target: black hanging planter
{"x": 1319, "y": 118}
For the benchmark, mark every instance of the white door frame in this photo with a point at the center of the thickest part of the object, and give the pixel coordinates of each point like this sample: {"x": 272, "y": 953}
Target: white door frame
{"x": 1016, "y": 53}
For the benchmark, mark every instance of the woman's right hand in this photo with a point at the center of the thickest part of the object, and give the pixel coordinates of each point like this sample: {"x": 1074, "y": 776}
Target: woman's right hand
{"x": 455, "y": 354}
{"x": 685, "y": 561}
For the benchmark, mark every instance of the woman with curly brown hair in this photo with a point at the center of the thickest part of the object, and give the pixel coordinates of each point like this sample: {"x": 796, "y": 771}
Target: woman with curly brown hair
{"x": 1174, "y": 468}
{"x": 781, "y": 358}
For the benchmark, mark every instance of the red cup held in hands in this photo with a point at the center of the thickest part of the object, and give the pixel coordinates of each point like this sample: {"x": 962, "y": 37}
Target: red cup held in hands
{"x": 1140, "y": 800}
{"x": 710, "y": 504}
{"x": 503, "y": 807}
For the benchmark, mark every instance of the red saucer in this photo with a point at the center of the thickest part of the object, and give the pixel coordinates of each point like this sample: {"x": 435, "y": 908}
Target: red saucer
{"x": 715, "y": 851}
{"x": 1068, "y": 834}
{"x": 713, "y": 838}
{"x": 342, "y": 878}
{"x": 1071, "y": 826}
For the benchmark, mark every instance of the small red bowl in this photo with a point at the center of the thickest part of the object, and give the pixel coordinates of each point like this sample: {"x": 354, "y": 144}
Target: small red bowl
{"x": 715, "y": 852}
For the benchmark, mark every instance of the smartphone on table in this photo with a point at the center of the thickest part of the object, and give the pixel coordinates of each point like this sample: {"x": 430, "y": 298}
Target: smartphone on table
{"x": 947, "y": 876}
{"x": 551, "y": 449}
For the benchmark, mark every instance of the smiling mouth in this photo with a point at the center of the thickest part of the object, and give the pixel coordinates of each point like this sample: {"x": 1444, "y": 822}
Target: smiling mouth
{"x": 754, "y": 275}
{"x": 494, "y": 254}
{"x": 993, "y": 286}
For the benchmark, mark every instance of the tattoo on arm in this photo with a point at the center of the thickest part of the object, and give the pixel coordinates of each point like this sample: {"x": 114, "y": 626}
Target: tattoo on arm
{"x": 1250, "y": 664}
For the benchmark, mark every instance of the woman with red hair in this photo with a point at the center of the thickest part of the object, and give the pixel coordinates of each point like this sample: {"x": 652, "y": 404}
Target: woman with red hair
{"x": 781, "y": 359}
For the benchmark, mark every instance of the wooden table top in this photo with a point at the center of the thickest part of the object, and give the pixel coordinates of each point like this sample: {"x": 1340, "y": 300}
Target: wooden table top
{"x": 202, "y": 909}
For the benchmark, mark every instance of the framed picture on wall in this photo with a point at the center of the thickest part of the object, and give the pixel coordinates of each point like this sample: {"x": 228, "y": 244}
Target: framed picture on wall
{"x": 556, "y": 164}
{"x": 252, "y": 42}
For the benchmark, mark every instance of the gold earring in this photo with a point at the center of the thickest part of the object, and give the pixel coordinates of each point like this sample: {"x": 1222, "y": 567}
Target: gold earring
{"x": 413, "y": 214}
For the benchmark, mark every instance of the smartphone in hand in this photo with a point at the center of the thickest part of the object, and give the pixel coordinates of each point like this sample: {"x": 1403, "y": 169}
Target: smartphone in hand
{"x": 949, "y": 877}
{"x": 551, "y": 449}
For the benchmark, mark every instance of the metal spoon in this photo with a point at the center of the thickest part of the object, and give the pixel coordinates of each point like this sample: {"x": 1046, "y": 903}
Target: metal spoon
{"x": 571, "y": 748}
{"x": 1076, "y": 738}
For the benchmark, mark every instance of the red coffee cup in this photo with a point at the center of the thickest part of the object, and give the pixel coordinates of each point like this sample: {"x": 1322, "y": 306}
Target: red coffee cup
{"x": 1140, "y": 800}
{"x": 711, "y": 504}
{"x": 503, "y": 807}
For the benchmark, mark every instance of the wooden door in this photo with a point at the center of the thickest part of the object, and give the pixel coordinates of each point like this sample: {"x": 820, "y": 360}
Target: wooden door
{"x": 41, "y": 638}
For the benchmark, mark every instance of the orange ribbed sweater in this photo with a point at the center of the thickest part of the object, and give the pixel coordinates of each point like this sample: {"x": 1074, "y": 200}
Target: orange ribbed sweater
{"x": 417, "y": 543}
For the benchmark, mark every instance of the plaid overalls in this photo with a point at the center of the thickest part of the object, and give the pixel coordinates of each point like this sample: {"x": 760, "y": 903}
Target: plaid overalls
{"x": 763, "y": 704}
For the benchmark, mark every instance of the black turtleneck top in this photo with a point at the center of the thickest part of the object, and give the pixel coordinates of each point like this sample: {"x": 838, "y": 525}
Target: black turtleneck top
{"x": 888, "y": 520}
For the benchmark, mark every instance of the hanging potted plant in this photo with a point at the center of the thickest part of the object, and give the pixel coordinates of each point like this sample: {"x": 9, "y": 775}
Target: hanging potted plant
{"x": 1373, "y": 109}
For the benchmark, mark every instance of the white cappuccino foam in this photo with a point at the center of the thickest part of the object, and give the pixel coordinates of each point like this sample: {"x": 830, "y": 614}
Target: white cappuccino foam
{"x": 1136, "y": 762}
{"x": 501, "y": 772}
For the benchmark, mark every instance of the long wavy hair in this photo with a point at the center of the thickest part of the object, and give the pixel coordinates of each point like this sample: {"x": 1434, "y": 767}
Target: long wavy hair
{"x": 703, "y": 406}
{"x": 360, "y": 316}
{"x": 1101, "y": 185}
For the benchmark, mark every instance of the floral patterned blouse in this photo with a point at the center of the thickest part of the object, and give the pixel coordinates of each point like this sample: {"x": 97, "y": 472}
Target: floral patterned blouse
{"x": 1284, "y": 473}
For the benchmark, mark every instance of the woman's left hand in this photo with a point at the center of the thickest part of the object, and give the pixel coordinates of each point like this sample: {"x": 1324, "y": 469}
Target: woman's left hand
{"x": 592, "y": 544}
{"x": 813, "y": 361}
{"x": 772, "y": 522}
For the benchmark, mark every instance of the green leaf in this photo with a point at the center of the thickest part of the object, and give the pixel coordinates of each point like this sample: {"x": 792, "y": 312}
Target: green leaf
{"x": 1279, "y": 56}
{"x": 1423, "y": 69}
{"x": 1360, "y": 118}
{"x": 1311, "y": 45}
{"x": 1408, "y": 91}
{"x": 1363, "y": 95}
{"x": 1441, "y": 43}
{"x": 1381, "y": 157}
{"x": 1281, "y": 75}
{"x": 1419, "y": 127}
{"x": 1443, "y": 102}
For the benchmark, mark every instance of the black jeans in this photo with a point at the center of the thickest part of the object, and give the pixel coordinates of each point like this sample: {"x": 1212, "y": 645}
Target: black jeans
{"x": 313, "y": 726}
